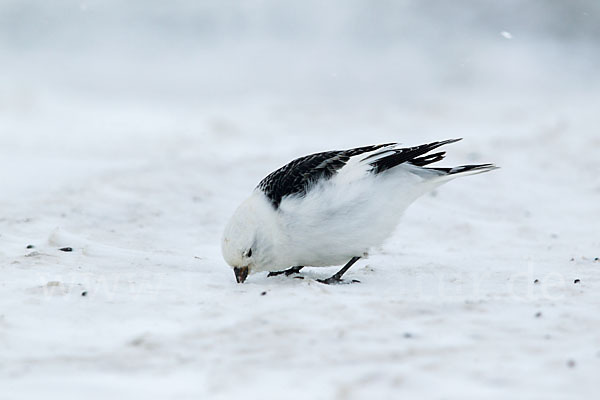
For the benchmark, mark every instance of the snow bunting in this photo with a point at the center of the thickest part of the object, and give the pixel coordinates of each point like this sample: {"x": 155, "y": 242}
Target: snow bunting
{"x": 330, "y": 208}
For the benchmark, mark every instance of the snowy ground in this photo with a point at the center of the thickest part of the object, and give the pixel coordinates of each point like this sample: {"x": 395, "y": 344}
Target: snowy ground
{"x": 473, "y": 297}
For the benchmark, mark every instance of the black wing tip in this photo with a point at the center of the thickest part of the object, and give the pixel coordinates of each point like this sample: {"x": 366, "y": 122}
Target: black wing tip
{"x": 442, "y": 142}
{"x": 414, "y": 155}
{"x": 452, "y": 140}
{"x": 428, "y": 159}
{"x": 473, "y": 169}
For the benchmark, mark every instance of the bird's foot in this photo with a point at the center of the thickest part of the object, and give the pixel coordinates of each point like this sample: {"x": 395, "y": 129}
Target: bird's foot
{"x": 287, "y": 272}
{"x": 334, "y": 280}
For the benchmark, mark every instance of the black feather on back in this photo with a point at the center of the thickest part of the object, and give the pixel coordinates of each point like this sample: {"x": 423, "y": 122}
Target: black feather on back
{"x": 300, "y": 174}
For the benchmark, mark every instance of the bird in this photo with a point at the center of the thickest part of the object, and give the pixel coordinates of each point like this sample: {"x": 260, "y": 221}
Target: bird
{"x": 331, "y": 208}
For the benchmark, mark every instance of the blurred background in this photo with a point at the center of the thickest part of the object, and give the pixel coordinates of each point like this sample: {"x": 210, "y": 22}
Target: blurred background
{"x": 112, "y": 77}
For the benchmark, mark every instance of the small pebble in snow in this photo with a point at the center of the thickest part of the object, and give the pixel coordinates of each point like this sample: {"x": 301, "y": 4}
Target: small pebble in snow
{"x": 576, "y": 281}
{"x": 67, "y": 249}
{"x": 536, "y": 281}
{"x": 572, "y": 259}
{"x": 538, "y": 314}
{"x": 84, "y": 293}
{"x": 407, "y": 335}
{"x": 30, "y": 246}
{"x": 596, "y": 259}
{"x": 571, "y": 363}
{"x": 263, "y": 293}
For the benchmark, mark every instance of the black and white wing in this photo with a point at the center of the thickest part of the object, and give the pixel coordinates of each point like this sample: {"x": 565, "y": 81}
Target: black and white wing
{"x": 297, "y": 177}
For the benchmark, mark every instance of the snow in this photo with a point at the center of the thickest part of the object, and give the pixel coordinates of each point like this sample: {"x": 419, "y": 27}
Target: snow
{"x": 136, "y": 162}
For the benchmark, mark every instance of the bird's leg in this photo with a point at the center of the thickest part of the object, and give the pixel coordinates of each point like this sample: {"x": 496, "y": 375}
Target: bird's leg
{"x": 337, "y": 277}
{"x": 287, "y": 272}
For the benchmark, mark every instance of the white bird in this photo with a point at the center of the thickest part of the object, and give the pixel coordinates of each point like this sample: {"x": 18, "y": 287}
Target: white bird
{"x": 327, "y": 208}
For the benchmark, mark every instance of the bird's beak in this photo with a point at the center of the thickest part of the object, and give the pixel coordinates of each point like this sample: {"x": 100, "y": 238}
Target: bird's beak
{"x": 240, "y": 274}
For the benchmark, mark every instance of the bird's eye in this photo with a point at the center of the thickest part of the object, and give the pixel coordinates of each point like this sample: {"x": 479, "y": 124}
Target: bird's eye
{"x": 249, "y": 253}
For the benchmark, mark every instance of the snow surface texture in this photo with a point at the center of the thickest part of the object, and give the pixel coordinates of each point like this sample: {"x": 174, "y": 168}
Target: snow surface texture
{"x": 130, "y": 134}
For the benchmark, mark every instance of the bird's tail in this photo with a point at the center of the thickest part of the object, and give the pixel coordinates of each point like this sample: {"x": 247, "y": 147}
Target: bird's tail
{"x": 462, "y": 170}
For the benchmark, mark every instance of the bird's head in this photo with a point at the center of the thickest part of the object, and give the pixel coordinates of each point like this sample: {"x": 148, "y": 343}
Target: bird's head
{"x": 246, "y": 244}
